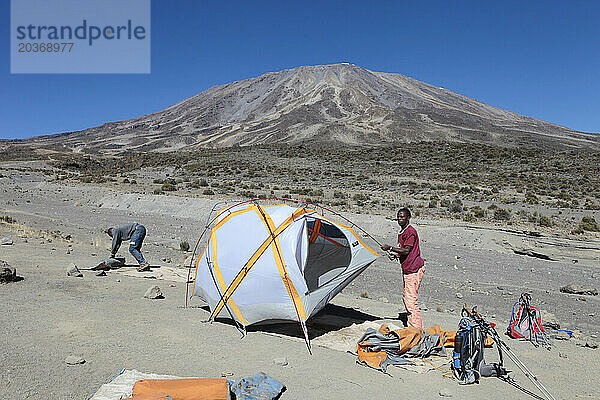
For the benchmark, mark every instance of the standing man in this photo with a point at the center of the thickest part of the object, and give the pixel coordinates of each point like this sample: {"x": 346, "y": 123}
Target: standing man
{"x": 408, "y": 253}
{"x": 135, "y": 233}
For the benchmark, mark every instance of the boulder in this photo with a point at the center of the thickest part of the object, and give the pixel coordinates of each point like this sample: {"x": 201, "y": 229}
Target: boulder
{"x": 154, "y": 292}
{"x": 6, "y": 241}
{"x": 562, "y": 336}
{"x": 73, "y": 271}
{"x": 110, "y": 263}
{"x": 579, "y": 289}
{"x": 8, "y": 273}
{"x": 549, "y": 320}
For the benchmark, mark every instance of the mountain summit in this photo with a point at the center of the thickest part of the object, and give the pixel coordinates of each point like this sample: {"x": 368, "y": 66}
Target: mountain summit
{"x": 339, "y": 103}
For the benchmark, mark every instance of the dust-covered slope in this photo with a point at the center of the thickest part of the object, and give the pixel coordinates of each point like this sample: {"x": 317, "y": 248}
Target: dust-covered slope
{"x": 339, "y": 103}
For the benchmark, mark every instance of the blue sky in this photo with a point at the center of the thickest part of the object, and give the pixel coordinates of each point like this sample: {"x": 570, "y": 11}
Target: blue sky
{"x": 537, "y": 58}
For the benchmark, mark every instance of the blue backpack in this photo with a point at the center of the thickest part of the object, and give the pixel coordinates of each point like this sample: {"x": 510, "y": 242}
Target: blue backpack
{"x": 468, "y": 363}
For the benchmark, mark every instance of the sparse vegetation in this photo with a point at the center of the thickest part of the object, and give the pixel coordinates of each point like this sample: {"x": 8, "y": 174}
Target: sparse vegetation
{"x": 184, "y": 246}
{"x": 500, "y": 214}
{"x": 589, "y": 224}
{"x": 168, "y": 187}
{"x": 7, "y": 219}
{"x": 443, "y": 180}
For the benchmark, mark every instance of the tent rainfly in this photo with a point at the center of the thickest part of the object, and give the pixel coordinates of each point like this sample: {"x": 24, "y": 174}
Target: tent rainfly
{"x": 275, "y": 263}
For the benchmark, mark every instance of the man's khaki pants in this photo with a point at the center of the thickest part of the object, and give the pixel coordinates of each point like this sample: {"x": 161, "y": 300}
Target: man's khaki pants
{"x": 410, "y": 296}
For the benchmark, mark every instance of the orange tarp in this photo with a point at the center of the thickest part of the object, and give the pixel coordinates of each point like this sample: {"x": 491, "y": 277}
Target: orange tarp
{"x": 408, "y": 337}
{"x": 180, "y": 389}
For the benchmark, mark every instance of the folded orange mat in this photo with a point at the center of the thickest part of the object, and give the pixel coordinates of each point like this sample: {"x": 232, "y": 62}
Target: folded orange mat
{"x": 180, "y": 389}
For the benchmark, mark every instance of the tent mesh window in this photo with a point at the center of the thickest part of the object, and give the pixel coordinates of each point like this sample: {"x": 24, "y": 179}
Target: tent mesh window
{"x": 329, "y": 253}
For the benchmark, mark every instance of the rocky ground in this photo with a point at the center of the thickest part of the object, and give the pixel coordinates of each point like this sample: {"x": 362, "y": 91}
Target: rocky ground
{"x": 48, "y": 224}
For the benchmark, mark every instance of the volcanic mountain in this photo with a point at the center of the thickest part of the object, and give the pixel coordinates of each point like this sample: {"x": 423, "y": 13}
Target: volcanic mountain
{"x": 339, "y": 103}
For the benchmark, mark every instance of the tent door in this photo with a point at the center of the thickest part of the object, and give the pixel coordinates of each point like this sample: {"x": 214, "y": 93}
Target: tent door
{"x": 329, "y": 253}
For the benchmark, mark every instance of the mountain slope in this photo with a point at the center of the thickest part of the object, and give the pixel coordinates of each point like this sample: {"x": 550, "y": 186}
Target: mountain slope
{"x": 339, "y": 103}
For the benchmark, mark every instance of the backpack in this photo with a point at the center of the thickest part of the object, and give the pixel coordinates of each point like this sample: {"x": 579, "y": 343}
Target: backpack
{"x": 526, "y": 322}
{"x": 468, "y": 363}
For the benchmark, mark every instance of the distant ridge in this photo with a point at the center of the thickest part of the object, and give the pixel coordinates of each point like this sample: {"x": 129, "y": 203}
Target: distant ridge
{"x": 339, "y": 103}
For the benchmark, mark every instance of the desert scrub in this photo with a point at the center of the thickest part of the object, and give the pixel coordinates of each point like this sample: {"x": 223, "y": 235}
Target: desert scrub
{"x": 589, "y": 224}
{"x": 500, "y": 214}
{"x": 545, "y": 221}
{"x": 7, "y": 219}
{"x": 456, "y": 206}
{"x": 184, "y": 246}
{"x": 338, "y": 195}
{"x": 248, "y": 193}
{"x": 478, "y": 212}
{"x": 531, "y": 198}
{"x": 469, "y": 218}
{"x": 433, "y": 201}
{"x": 208, "y": 192}
{"x": 168, "y": 187}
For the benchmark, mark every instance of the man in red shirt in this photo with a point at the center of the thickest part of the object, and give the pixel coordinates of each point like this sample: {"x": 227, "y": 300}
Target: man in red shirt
{"x": 408, "y": 253}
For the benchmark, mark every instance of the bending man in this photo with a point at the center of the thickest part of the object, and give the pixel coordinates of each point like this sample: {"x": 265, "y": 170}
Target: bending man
{"x": 408, "y": 253}
{"x": 135, "y": 233}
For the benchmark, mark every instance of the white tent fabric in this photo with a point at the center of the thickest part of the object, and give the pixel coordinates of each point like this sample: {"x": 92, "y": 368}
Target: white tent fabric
{"x": 276, "y": 262}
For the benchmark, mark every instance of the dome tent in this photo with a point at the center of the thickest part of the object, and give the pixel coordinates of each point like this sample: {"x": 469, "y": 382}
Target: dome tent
{"x": 276, "y": 262}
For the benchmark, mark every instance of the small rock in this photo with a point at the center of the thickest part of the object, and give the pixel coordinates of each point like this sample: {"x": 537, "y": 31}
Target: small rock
{"x": 74, "y": 360}
{"x": 69, "y": 251}
{"x": 562, "y": 336}
{"x": 459, "y": 295}
{"x": 384, "y": 300}
{"x": 72, "y": 270}
{"x": 562, "y": 355}
{"x": 499, "y": 287}
{"x": 154, "y": 292}
{"x": 101, "y": 273}
{"x": 579, "y": 289}
{"x": 439, "y": 309}
{"x": 591, "y": 344}
{"x": 6, "y": 241}
{"x": 364, "y": 294}
{"x": 282, "y": 361}
{"x": 445, "y": 393}
{"x": 457, "y": 257}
